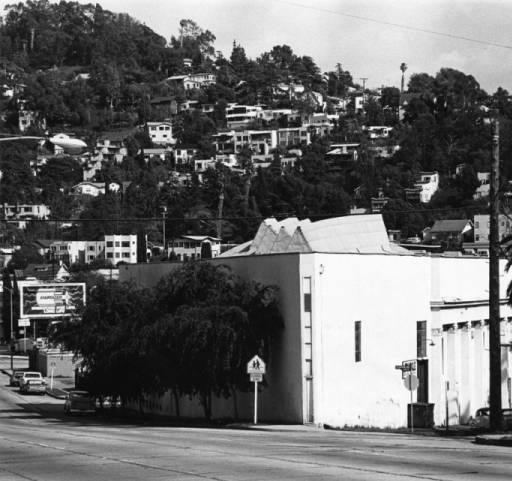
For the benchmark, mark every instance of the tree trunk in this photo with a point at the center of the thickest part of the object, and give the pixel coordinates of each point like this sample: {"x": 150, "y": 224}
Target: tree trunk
{"x": 176, "y": 396}
{"x": 206, "y": 401}
{"x": 247, "y": 190}
{"x": 235, "y": 402}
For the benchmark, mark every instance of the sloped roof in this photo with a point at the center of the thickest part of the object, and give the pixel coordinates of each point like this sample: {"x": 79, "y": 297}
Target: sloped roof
{"x": 450, "y": 225}
{"x": 349, "y": 234}
{"x": 43, "y": 272}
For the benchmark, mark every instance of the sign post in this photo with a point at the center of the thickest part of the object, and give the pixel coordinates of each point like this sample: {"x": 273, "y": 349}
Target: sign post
{"x": 52, "y": 364}
{"x": 411, "y": 383}
{"x": 256, "y": 369}
{"x": 24, "y": 322}
{"x": 410, "y": 379}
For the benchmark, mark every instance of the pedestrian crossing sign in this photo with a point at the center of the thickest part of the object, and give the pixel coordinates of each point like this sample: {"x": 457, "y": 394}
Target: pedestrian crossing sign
{"x": 256, "y": 366}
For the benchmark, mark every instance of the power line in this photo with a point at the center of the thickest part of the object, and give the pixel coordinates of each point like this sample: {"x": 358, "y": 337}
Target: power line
{"x": 399, "y": 25}
{"x": 238, "y": 218}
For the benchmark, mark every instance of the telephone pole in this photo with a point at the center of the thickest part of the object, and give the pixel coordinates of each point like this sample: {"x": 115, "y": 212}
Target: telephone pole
{"x": 364, "y": 79}
{"x": 496, "y": 417}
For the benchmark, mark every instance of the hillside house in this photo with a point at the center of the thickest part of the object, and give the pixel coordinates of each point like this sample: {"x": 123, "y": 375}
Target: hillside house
{"x": 483, "y": 189}
{"x": 450, "y": 233}
{"x": 112, "y": 146}
{"x": 242, "y": 116}
{"x": 188, "y": 247}
{"x": 346, "y": 152}
{"x": 19, "y": 214}
{"x": 424, "y": 188}
{"x": 160, "y": 132}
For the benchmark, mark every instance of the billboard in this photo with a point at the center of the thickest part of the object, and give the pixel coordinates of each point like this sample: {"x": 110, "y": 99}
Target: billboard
{"x": 50, "y": 300}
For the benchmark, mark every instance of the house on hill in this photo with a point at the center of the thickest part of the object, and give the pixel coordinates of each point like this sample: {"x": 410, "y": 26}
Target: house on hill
{"x": 450, "y": 233}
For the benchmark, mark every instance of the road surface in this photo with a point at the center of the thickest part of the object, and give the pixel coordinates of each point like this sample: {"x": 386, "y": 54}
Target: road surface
{"x": 38, "y": 443}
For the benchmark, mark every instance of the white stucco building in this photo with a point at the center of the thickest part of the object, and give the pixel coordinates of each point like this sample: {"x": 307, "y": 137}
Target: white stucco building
{"x": 121, "y": 248}
{"x": 355, "y": 306}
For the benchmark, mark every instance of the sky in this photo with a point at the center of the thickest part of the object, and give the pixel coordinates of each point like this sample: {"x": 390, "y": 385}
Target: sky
{"x": 370, "y": 38}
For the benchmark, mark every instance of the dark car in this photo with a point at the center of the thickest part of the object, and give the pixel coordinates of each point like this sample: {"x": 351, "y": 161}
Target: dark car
{"x": 79, "y": 402}
{"x": 16, "y": 376}
{"x": 481, "y": 418}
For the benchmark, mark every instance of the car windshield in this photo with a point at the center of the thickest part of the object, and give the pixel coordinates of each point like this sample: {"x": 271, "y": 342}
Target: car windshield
{"x": 77, "y": 395}
{"x": 32, "y": 376}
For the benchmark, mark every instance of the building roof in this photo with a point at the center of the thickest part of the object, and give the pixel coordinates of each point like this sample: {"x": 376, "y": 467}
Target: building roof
{"x": 349, "y": 234}
{"x": 200, "y": 238}
{"x": 451, "y": 225}
{"x": 43, "y": 272}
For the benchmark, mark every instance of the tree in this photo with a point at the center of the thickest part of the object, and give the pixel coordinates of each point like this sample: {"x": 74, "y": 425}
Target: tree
{"x": 219, "y": 321}
{"x": 112, "y": 337}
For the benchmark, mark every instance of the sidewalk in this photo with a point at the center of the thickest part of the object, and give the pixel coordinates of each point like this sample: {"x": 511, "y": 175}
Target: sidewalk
{"x": 61, "y": 386}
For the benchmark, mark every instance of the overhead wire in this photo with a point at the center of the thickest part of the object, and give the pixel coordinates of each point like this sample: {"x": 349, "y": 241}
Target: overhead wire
{"x": 397, "y": 25}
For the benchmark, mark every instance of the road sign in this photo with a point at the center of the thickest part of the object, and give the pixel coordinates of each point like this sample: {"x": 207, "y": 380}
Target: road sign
{"x": 256, "y": 366}
{"x": 256, "y": 369}
{"x": 411, "y": 382}
{"x": 23, "y": 322}
{"x": 408, "y": 367}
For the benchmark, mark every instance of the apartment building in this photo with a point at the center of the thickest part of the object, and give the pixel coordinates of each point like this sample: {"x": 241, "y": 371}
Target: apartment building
{"x": 121, "y": 248}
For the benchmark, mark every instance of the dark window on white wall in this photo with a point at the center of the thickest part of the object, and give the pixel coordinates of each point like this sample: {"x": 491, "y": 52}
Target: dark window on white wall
{"x": 306, "y": 288}
{"x": 421, "y": 339}
{"x": 357, "y": 338}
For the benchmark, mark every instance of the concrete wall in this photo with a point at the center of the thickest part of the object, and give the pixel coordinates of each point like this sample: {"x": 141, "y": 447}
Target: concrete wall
{"x": 63, "y": 363}
{"x": 148, "y": 274}
{"x": 388, "y": 294}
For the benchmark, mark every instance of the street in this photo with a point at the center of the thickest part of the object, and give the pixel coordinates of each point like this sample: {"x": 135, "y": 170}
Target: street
{"x": 37, "y": 442}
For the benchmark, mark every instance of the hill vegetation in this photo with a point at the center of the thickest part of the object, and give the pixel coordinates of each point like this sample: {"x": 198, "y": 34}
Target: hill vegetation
{"x": 87, "y": 70}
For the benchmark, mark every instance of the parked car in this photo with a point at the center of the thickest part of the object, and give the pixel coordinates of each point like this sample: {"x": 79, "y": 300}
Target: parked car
{"x": 32, "y": 381}
{"x": 481, "y": 418}
{"x": 107, "y": 402}
{"x": 15, "y": 377}
{"x": 79, "y": 402}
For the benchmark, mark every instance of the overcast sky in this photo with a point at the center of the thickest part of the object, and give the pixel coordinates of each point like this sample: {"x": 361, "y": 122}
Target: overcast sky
{"x": 356, "y": 33}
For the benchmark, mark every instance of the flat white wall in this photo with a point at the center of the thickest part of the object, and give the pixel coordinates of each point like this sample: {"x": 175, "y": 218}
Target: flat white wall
{"x": 388, "y": 294}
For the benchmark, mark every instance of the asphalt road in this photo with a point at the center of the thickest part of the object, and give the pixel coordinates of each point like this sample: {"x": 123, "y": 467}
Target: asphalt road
{"x": 38, "y": 443}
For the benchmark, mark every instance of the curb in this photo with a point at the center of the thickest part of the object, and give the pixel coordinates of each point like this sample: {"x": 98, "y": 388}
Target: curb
{"x": 494, "y": 440}
{"x": 56, "y": 393}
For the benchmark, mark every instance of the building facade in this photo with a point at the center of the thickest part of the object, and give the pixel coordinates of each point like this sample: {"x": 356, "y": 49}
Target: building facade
{"x": 121, "y": 248}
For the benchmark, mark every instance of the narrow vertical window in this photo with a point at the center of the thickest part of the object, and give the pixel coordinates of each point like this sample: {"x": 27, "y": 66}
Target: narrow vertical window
{"x": 421, "y": 339}
{"x": 357, "y": 332}
{"x": 306, "y": 289}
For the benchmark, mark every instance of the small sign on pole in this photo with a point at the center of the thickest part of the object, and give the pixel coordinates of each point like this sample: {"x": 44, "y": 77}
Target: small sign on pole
{"x": 256, "y": 369}
{"x": 411, "y": 384}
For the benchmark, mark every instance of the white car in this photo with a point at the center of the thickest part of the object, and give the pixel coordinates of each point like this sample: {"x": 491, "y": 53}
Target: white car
{"x": 32, "y": 381}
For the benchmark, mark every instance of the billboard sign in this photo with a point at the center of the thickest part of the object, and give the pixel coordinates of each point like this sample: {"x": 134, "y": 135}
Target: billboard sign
{"x": 39, "y": 300}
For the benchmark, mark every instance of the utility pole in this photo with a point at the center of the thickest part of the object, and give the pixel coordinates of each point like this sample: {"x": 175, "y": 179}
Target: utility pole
{"x": 496, "y": 417}
{"x": 164, "y": 218}
{"x": 403, "y": 68}
{"x": 364, "y": 79}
